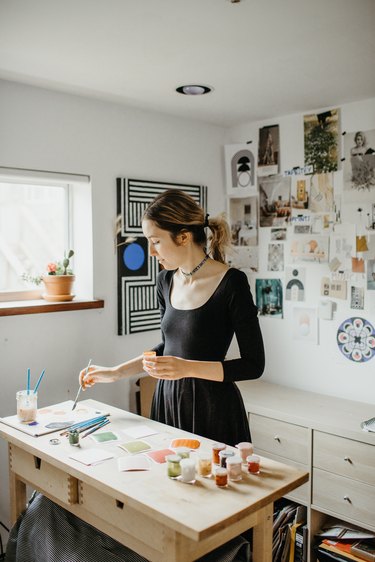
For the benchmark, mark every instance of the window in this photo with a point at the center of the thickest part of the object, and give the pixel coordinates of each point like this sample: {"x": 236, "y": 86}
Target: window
{"x": 39, "y": 220}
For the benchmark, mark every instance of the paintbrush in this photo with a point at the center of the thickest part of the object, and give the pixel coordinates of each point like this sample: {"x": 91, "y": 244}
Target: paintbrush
{"x": 98, "y": 426}
{"x": 80, "y": 386}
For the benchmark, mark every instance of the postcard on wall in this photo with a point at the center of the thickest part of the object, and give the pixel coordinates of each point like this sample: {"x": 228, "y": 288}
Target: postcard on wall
{"x": 371, "y": 275}
{"x": 371, "y": 247}
{"x": 322, "y": 223}
{"x": 243, "y": 212}
{"x": 321, "y": 193}
{"x": 342, "y": 245}
{"x": 306, "y": 247}
{"x": 245, "y": 258}
{"x": 357, "y": 297}
{"x": 358, "y": 265}
{"x": 295, "y": 283}
{"x": 321, "y": 134}
{"x": 359, "y": 166}
{"x": 305, "y": 324}
{"x": 275, "y": 257}
{"x": 269, "y": 151}
{"x": 300, "y": 189}
{"x": 240, "y": 169}
{"x": 301, "y": 221}
{"x": 274, "y": 201}
{"x": 278, "y": 233}
{"x": 335, "y": 289}
{"x": 269, "y": 297}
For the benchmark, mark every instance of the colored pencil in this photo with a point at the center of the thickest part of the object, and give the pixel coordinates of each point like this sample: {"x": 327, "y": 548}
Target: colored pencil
{"x": 28, "y": 381}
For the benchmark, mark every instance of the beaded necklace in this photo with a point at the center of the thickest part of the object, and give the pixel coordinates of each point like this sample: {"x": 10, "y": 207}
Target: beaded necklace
{"x": 190, "y": 273}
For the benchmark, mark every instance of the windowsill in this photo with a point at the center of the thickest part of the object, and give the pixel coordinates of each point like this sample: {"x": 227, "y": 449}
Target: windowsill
{"x": 41, "y": 306}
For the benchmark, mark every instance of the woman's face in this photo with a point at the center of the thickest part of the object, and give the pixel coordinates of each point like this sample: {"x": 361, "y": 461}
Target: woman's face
{"x": 359, "y": 140}
{"x": 161, "y": 245}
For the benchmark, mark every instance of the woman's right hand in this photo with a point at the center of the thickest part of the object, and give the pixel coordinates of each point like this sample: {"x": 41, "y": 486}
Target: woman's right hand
{"x": 97, "y": 374}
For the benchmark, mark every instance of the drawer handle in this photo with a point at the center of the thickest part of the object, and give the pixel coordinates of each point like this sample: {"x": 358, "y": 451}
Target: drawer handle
{"x": 119, "y": 504}
{"x": 277, "y": 438}
{"x": 348, "y": 459}
{"x": 347, "y": 499}
{"x": 37, "y": 463}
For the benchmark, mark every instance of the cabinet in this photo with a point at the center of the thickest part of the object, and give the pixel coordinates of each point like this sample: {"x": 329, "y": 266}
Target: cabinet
{"x": 321, "y": 434}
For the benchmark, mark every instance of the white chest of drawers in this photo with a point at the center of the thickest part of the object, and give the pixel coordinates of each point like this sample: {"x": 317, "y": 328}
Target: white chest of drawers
{"x": 323, "y": 435}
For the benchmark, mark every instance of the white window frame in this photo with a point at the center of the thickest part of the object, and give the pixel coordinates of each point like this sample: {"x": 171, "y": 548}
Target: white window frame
{"x": 79, "y": 200}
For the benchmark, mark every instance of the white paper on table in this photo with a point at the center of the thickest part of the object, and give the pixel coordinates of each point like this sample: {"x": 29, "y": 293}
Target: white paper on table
{"x": 139, "y": 431}
{"x": 137, "y": 462}
{"x": 92, "y": 456}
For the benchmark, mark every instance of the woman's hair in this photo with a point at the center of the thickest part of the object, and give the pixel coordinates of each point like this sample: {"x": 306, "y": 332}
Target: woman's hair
{"x": 360, "y": 134}
{"x": 176, "y": 211}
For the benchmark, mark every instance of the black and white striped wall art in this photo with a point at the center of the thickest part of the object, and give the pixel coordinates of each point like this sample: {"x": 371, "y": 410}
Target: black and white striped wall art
{"x": 136, "y": 270}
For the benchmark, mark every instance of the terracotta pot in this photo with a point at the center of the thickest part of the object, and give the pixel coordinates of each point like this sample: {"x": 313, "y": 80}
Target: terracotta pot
{"x": 58, "y": 288}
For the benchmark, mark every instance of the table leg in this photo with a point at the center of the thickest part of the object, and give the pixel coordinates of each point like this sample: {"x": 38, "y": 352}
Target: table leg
{"x": 262, "y": 535}
{"x": 17, "y": 490}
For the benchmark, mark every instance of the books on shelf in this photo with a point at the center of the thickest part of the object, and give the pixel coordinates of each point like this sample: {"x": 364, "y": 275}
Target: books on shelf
{"x": 301, "y": 544}
{"x": 364, "y": 550}
{"x": 340, "y": 548}
{"x": 340, "y": 532}
{"x": 287, "y": 522}
{"x": 347, "y": 550}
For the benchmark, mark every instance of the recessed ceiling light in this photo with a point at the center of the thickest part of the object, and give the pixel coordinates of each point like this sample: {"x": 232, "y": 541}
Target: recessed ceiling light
{"x": 193, "y": 90}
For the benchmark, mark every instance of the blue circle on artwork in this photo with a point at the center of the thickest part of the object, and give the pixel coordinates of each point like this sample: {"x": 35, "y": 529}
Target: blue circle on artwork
{"x": 356, "y": 339}
{"x": 134, "y": 256}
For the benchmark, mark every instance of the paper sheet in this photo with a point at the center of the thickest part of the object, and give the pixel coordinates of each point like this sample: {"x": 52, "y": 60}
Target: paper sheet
{"x": 92, "y": 456}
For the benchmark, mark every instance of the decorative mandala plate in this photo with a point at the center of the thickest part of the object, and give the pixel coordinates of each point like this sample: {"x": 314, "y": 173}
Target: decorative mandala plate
{"x": 356, "y": 339}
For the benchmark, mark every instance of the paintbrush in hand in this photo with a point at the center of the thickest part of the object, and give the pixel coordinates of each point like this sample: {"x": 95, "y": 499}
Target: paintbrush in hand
{"x": 80, "y": 386}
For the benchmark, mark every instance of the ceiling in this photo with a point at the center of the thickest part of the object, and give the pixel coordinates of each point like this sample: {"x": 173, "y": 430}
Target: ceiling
{"x": 263, "y": 58}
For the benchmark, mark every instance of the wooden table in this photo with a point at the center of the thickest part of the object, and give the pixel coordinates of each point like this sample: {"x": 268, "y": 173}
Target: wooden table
{"x": 164, "y": 520}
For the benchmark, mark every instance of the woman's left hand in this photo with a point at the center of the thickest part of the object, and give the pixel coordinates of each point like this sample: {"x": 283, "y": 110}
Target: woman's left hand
{"x": 167, "y": 367}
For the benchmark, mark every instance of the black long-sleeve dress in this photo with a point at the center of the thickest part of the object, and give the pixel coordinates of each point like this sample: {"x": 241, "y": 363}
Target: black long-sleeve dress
{"x": 211, "y": 409}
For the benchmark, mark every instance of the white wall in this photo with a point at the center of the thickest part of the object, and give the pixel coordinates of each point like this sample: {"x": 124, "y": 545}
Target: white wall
{"x": 320, "y": 368}
{"x": 43, "y": 130}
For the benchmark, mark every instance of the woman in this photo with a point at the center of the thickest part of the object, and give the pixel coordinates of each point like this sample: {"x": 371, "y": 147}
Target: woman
{"x": 359, "y": 149}
{"x": 203, "y": 303}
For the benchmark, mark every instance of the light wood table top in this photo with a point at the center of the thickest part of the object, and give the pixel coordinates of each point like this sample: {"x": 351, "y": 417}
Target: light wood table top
{"x": 193, "y": 519}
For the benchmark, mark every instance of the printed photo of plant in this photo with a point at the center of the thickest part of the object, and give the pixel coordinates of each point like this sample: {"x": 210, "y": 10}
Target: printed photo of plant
{"x": 321, "y": 133}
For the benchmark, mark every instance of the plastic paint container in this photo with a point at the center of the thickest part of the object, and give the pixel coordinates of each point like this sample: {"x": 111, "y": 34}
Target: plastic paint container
{"x": 183, "y": 452}
{"x": 245, "y": 449}
{"x": 205, "y": 464}
{"x": 223, "y": 456}
{"x": 253, "y": 464}
{"x": 234, "y": 467}
{"x": 173, "y": 465}
{"x": 216, "y": 448}
{"x": 73, "y": 437}
{"x": 187, "y": 471}
{"x": 221, "y": 477}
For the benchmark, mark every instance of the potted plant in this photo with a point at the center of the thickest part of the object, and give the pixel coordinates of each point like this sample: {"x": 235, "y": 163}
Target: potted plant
{"x": 58, "y": 281}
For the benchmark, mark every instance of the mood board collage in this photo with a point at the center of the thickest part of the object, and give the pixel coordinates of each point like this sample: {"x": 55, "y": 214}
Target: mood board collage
{"x": 320, "y": 214}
